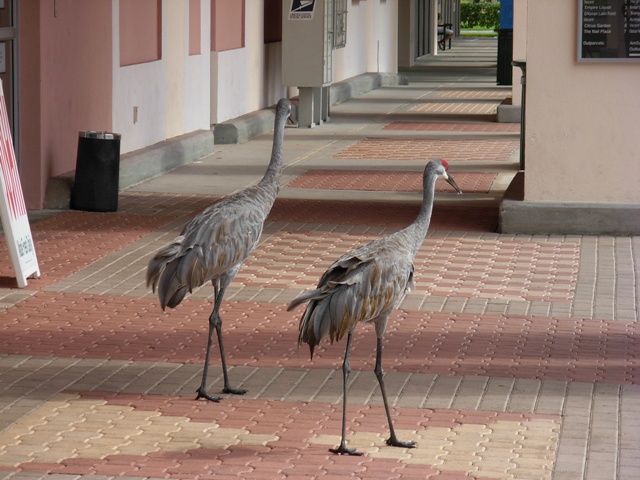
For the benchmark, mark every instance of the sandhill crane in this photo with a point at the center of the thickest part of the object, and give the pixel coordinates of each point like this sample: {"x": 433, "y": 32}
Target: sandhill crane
{"x": 366, "y": 285}
{"x": 213, "y": 245}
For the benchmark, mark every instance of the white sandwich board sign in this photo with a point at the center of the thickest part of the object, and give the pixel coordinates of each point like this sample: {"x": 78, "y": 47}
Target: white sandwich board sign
{"x": 13, "y": 210}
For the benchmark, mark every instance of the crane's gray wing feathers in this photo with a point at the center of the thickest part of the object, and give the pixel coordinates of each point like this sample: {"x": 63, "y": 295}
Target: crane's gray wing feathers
{"x": 354, "y": 289}
{"x": 212, "y": 245}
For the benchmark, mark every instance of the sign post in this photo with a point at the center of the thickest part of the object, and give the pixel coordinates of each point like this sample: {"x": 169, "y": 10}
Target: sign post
{"x": 15, "y": 222}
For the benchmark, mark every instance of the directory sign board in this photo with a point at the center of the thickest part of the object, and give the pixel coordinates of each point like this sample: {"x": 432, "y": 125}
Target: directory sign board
{"x": 609, "y": 31}
{"x": 13, "y": 211}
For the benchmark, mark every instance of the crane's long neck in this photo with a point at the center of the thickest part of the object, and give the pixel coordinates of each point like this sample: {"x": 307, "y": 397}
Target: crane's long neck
{"x": 418, "y": 229}
{"x": 272, "y": 175}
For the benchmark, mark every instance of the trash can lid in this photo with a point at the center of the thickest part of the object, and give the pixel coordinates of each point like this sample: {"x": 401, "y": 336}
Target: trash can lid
{"x": 100, "y": 135}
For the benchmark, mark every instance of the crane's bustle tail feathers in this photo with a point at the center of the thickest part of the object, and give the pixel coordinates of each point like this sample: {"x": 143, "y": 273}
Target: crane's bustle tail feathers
{"x": 159, "y": 261}
{"x": 171, "y": 272}
{"x": 168, "y": 286}
{"x": 190, "y": 270}
{"x": 311, "y": 331}
{"x": 177, "y": 297}
{"x": 324, "y": 316}
{"x": 319, "y": 324}
{"x": 304, "y": 297}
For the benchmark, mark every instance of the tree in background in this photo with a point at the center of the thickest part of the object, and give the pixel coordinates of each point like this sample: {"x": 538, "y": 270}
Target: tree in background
{"x": 479, "y": 15}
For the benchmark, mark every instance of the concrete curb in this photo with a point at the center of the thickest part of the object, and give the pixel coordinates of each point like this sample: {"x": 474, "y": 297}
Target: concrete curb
{"x": 139, "y": 165}
{"x": 244, "y": 128}
{"x": 508, "y": 113}
{"x": 342, "y": 91}
{"x": 536, "y": 218}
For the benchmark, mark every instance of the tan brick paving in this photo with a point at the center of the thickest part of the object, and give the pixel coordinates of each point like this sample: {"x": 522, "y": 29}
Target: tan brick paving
{"x": 454, "y": 127}
{"x": 576, "y": 409}
{"x": 128, "y": 431}
{"x": 474, "y": 93}
{"x": 510, "y": 269}
{"x": 461, "y": 107}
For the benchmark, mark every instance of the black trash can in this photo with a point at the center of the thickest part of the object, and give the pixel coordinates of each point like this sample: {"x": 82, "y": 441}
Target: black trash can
{"x": 95, "y": 188}
{"x": 504, "y": 72}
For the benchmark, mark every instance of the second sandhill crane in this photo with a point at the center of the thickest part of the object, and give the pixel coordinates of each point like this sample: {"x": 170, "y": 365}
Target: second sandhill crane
{"x": 213, "y": 245}
{"x": 366, "y": 285}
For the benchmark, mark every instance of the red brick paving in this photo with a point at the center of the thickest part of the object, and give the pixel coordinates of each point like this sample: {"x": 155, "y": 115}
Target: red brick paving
{"x": 251, "y": 411}
{"x": 387, "y": 214}
{"x": 341, "y": 212}
{"x": 424, "y": 149}
{"x": 381, "y": 180}
{"x": 170, "y": 204}
{"x": 454, "y": 127}
{"x": 265, "y": 335}
{"x": 70, "y": 241}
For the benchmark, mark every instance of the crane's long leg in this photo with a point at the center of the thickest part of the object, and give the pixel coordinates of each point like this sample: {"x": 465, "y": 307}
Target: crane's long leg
{"x": 346, "y": 369}
{"x": 202, "y": 390}
{"x": 215, "y": 324}
{"x": 392, "y": 440}
{"x": 227, "y": 388}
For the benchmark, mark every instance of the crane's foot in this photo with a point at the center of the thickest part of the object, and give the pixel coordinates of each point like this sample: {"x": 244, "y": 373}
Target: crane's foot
{"x": 202, "y": 393}
{"x": 343, "y": 450}
{"x": 234, "y": 391}
{"x": 394, "y": 442}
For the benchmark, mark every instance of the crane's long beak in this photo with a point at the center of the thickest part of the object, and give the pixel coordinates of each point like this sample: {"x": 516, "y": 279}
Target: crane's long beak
{"x": 451, "y": 182}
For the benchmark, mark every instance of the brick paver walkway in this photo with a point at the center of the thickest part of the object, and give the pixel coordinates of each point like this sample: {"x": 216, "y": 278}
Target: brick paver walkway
{"x": 423, "y": 149}
{"x": 454, "y": 127}
{"x": 388, "y": 181}
{"x": 515, "y": 357}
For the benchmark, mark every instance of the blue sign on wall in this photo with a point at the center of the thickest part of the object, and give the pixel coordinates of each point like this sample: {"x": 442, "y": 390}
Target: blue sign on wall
{"x": 506, "y": 13}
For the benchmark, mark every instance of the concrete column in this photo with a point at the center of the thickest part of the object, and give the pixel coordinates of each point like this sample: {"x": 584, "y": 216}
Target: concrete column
{"x": 305, "y": 108}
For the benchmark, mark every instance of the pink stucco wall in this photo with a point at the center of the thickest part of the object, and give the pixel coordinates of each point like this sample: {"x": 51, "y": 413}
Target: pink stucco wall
{"x": 227, "y": 21}
{"x": 140, "y": 27}
{"x": 195, "y": 30}
{"x": 65, "y": 77}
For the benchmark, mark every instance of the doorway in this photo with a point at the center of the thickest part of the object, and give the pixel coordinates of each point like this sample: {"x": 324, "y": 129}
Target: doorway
{"x": 8, "y": 37}
{"x": 423, "y": 19}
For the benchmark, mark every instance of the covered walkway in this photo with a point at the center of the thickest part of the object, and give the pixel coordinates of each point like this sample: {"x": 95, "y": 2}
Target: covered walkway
{"x": 515, "y": 357}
